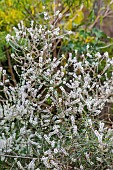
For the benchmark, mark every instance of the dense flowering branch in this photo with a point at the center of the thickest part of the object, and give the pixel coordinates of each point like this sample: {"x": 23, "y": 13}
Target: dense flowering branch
{"x": 39, "y": 115}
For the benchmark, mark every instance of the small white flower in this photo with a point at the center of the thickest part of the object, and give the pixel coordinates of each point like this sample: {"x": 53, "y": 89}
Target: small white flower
{"x": 1, "y": 69}
{"x": 31, "y": 165}
{"x": 81, "y": 167}
{"x": 60, "y": 100}
{"x": 90, "y": 122}
{"x": 106, "y": 54}
{"x": 20, "y": 165}
{"x": 57, "y": 12}
{"x": 4, "y": 72}
{"x": 55, "y": 150}
{"x": 99, "y": 136}
{"x": 60, "y": 15}
{"x": 32, "y": 23}
{"x": 98, "y": 55}
{"x": 101, "y": 126}
{"x": 52, "y": 144}
{"x": 8, "y": 37}
{"x": 73, "y": 120}
{"x": 87, "y": 47}
{"x": 12, "y": 55}
{"x": 75, "y": 130}
{"x": 45, "y": 14}
{"x": 2, "y": 144}
{"x": 99, "y": 159}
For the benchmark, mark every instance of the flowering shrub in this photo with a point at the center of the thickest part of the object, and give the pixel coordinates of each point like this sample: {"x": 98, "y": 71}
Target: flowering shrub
{"x": 47, "y": 118}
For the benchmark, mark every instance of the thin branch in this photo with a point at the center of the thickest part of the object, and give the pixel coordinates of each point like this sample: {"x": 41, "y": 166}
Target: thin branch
{"x": 95, "y": 22}
{"x": 10, "y": 66}
{"x": 55, "y": 45}
{"x": 104, "y": 15}
{"x": 106, "y": 46}
{"x": 18, "y": 156}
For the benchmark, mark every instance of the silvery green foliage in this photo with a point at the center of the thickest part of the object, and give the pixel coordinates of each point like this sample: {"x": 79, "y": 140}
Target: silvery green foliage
{"x": 39, "y": 126}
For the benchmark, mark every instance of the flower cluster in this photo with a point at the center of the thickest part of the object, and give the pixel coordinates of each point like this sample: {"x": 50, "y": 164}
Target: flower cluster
{"x": 47, "y": 118}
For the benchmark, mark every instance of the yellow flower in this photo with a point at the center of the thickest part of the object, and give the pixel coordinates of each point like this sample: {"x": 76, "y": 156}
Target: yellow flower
{"x": 89, "y": 39}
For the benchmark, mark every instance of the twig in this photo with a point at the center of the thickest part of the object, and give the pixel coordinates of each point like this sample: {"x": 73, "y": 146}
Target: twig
{"x": 106, "y": 13}
{"x": 10, "y": 66}
{"x": 18, "y": 156}
{"x": 55, "y": 45}
{"x": 94, "y": 23}
{"x": 106, "y": 46}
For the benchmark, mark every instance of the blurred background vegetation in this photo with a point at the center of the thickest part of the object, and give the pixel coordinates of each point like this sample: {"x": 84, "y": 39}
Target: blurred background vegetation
{"x": 90, "y": 20}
